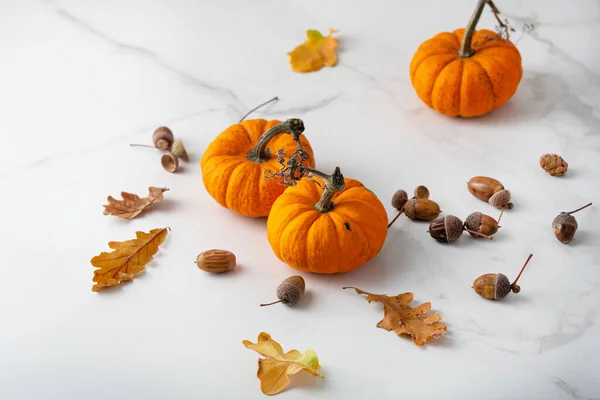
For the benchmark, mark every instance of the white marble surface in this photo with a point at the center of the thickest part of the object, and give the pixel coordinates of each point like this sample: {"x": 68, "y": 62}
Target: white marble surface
{"x": 80, "y": 80}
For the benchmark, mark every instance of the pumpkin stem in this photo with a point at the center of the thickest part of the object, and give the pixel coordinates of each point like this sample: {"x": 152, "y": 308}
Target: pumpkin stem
{"x": 260, "y": 152}
{"x": 333, "y": 183}
{"x": 465, "y": 50}
{"x": 257, "y": 107}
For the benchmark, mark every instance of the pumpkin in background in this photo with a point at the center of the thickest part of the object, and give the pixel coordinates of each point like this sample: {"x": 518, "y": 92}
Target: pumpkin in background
{"x": 234, "y": 164}
{"x": 328, "y": 231}
{"x": 466, "y": 73}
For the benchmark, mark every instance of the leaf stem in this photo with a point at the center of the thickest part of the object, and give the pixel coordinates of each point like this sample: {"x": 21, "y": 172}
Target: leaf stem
{"x": 579, "y": 209}
{"x": 257, "y": 107}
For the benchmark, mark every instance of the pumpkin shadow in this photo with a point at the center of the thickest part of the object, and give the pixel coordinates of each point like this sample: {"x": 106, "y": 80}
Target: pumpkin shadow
{"x": 538, "y": 94}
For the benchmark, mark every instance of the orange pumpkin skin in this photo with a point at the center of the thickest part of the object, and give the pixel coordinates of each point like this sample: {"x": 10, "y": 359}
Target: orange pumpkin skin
{"x": 235, "y": 181}
{"x": 466, "y": 87}
{"x": 340, "y": 240}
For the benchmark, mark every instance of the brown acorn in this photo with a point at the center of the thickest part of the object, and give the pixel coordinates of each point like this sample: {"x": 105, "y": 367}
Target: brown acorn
{"x": 399, "y": 199}
{"x": 289, "y": 291}
{"x": 490, "y": 190}
{"x": 482, "y": 223}
{"x": 565, "y": 225}
{"x": 449, "y": 228}
{"x": 421, "y": 209}
{"x": 497, "y": 286}
{"x": 163, "y": 138}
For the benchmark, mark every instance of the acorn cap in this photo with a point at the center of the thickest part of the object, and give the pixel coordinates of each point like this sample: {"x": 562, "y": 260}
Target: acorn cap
{"x": 399, "y": 199}
{"x": 179, "y": 150}
{"x": 501, "y": 199}
{"x": 473, "y": 221}
{"x": 290, "y": 290}
{"x": 502, "y": 286}
{"x": 454, "y": 228}
{"x": 421, "y": 192}
{"x": 409, "y": 208}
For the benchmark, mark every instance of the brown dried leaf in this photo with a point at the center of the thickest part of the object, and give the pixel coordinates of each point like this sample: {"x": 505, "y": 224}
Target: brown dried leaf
{"x": 132, "y": 205}
{"x": 403, "y": 319}
{"x": 128, "y": 259}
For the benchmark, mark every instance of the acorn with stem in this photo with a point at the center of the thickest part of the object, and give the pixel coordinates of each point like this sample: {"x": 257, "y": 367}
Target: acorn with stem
{"x": 449, "y": 229}
{"x": 173, "y": 148}
{"x": 497, "y": 286}
{"x": 420, "y": 207}
{"x": 565, "y": 225}
{"x": 290, "y": 291}
{"x": 482, "y": 223}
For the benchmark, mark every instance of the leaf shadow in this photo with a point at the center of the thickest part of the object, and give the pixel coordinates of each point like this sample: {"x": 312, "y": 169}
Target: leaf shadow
{"x": 304, "y": 380}
{"x": 167, "y": 204}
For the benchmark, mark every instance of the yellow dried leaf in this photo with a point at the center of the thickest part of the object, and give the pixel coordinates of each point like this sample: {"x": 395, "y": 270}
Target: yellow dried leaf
{"x": 404, "y": 319}
{"x": 273, "y": 370}
{"x": 128, "y": 259}
{"x": 316, "y": 52}
{"x": 132, "y": 205}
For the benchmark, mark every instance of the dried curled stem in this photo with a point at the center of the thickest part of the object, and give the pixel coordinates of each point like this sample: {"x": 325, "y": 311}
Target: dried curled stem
{"x": 293, "y": 126}
{"x": 292, "y": 171}
{"x": 503, "y": 28}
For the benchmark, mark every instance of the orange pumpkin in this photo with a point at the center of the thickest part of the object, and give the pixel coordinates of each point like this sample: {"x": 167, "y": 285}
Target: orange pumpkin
{"x": 234, "y": 164}
{"x": 327, "y": 231}
{"x": 466, "y": 73}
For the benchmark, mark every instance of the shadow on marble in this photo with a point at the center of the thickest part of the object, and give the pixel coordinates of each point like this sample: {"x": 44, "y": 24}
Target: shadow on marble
{"x": 304, "y": 380}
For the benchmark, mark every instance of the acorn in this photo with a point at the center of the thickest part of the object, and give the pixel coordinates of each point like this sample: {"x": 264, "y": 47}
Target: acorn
{"x": 497, "y": 286}
{"x": 490, "y": 190}
{"x": 421, "y": 192}
{"x": 163, "y": 138}
{"x": 565, "y": 225}
{"x": 449, "y": 228}
{"x": 169, "y": 161}
{"x": 399, "y": 199}
{"x": 289, "y": 291}
{"x": 421, "y": 209}
{"x": 482, "y": 223}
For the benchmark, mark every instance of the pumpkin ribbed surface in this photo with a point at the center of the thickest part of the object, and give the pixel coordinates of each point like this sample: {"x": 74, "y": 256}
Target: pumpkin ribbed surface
{"x": 235, "y": 181}
{"x": 470, "y": 86}
{"x": 340, "y": 240}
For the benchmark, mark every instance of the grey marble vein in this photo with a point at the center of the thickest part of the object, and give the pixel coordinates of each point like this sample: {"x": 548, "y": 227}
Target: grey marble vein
{"x": 227, "y": 94}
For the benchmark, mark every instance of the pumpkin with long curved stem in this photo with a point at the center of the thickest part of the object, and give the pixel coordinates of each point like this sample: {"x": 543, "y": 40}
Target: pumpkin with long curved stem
{"x": 467, "y": 73}
{"x": 234, "y": 164}
{"x": 326, "y": 224}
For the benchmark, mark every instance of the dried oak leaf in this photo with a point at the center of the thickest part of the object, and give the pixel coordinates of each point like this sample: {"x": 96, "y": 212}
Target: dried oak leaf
{"x": 316, "y": 52}
{"x": 273, "y": 370}
{"x": 128, "y": 259}
{"x": 403, "y": 319}
{"x": 132, "y": 205}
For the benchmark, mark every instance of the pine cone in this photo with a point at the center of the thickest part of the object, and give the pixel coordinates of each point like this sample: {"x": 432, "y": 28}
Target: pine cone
{"x": 554, "y": 164}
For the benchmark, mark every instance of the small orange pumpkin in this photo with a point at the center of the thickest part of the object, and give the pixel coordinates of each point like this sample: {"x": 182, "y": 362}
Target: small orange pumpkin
{"x": 328, "y": 231}
{"x": 466, "y": 73}
{"x": 234, "y": 164}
